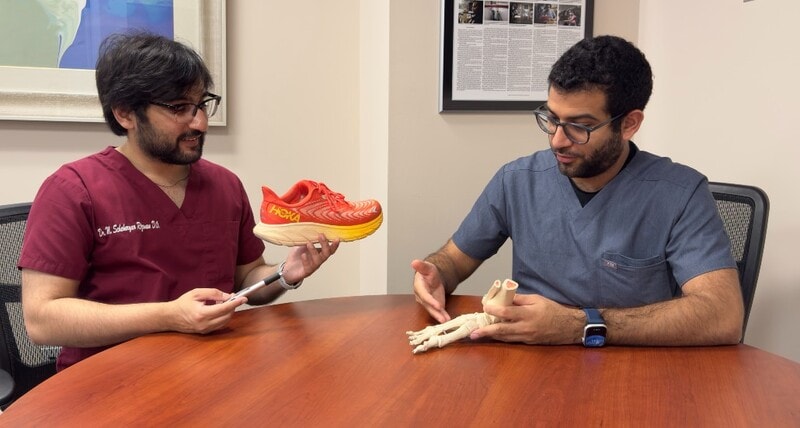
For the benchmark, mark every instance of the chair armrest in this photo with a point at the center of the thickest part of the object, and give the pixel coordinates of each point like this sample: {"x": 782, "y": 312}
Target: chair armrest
{"x": 6, "y": 388}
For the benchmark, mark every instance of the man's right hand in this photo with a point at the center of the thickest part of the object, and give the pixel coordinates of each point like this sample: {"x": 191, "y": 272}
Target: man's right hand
{"x": 204, "y": 310}
{"x": 429, "y": 289}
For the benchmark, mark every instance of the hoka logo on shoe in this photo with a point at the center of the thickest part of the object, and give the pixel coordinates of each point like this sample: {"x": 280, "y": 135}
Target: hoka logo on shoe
{"x": 284, "y": 213}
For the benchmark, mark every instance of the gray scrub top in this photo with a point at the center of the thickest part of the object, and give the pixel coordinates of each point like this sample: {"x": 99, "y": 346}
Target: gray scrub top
{"x": 646, "y": 233}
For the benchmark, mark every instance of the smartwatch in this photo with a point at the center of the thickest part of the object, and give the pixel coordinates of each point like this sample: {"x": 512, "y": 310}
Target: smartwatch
{"x": 594, "y": 333}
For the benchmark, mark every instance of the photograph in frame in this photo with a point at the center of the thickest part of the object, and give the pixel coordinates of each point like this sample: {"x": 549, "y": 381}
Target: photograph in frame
{"x": 37, "y": 93}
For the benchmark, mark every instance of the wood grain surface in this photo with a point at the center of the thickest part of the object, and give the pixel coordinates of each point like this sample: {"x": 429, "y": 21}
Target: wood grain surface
{"x": 347, "y": 362}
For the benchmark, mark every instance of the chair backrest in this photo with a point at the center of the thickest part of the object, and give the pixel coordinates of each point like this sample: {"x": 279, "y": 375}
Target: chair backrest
{"x": 28, "y": 364}
{"x": 744, "y": 210}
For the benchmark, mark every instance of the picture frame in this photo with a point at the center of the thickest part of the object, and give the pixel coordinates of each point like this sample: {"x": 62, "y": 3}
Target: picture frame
{"x": 463, "y": 75}
{"x": 70, "y": 95}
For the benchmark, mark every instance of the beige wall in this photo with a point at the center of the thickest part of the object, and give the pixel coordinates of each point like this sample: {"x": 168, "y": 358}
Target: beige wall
{"x": 725, "y": 102}
{"x": 348, "y": 95}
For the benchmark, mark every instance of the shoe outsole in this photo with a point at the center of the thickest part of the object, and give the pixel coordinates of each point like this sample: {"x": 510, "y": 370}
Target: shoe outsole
{"x": 293, "y": 234}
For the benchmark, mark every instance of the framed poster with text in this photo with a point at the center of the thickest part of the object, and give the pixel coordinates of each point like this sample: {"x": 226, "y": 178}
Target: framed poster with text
{"x": 496, "y": 55}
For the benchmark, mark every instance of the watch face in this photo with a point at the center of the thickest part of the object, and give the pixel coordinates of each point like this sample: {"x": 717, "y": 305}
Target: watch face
{"x": 594, "y": 335}
{"x": 595, "y": 331}
{"x": 594, "y": 341}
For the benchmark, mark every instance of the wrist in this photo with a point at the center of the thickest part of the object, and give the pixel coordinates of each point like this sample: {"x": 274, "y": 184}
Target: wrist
{"x": 577, "y": 321}
{"x": 283, "y": 282}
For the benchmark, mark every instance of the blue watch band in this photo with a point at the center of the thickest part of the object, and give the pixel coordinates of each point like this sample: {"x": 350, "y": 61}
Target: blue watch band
{"x": 593, "y": 316}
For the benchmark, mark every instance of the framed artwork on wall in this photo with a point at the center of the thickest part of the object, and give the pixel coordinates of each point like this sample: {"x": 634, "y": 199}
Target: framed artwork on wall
{"x": 47, "y": 70}
{"x": 496, "y": 55}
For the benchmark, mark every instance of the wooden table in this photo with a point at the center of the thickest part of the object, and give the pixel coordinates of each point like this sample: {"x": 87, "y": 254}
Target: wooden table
{"x": 347, "y": 362}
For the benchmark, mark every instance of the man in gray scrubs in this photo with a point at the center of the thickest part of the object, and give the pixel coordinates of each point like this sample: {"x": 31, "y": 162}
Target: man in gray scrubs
{"x": 611, "y": 244}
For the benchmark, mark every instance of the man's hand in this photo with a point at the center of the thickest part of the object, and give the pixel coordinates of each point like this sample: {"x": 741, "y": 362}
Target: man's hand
{"x": 439, "y": 275}
{"x": 197, "y": 311}
{"x": 305, "y": 260}
{"x": 429, "y": 289}
{"x": 534, "y": 319}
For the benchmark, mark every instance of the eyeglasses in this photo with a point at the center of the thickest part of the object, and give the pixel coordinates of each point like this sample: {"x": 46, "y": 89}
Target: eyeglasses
{"x": 575, "y": 132}
{"x": 185, "y": 112}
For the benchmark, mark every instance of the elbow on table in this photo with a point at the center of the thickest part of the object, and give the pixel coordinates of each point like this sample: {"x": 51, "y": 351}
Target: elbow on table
{"x": 730, "y": 330}
{"x": 34, "y": 334}
{"x": 37, "y": 331}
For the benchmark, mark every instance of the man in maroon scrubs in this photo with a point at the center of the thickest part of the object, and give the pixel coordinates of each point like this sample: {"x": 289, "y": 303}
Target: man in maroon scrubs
{"x": 147, "y": 236}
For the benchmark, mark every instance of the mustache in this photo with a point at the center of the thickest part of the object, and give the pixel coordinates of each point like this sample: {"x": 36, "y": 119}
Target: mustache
{"x": 564, "y": 152}
{"x": 191, "y": 135}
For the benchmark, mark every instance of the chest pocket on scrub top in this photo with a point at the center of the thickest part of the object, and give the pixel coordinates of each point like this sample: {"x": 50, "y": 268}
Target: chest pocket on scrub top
{"x": 628, "y": 282}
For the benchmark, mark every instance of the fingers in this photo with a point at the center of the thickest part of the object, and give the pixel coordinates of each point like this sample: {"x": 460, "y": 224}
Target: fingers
{"x": 434, "y": 308}
{"x": 526, "y": 299}
{"x": 204, "y": 310}
{"x": 440, "y": 316}
{"x": 213, "y": 296}
{"x": 305, "y": 259}
{"x": 423, "y": 267}
{"x": 524, "y": 321}
{"x": 429, "y": 291}
{"x": 217, "y": 298}
{"x": 423, "y": 290}
{"x": 207, "y": 295}
{"x": 326, "y": 248}
{"x": 238, "y": 301}
{"x": 322, "y": 249}
{"x": 504, "y": 331}
{"x": 482, "y": 332}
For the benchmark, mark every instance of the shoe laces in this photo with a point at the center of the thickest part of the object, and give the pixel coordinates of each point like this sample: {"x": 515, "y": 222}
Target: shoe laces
{"x": 334, "y": 199}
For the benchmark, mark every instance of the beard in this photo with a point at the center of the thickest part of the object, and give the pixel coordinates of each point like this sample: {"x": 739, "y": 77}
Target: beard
{"x": 595, "y": 163}
{"x": 158, "y": 146}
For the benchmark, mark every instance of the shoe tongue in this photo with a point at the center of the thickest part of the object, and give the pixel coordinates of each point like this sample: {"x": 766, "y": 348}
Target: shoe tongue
{"x": 336, "y": 200}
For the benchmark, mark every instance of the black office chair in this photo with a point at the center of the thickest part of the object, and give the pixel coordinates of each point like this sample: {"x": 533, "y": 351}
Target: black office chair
{"x": 744, "y": 210}
{"x": 25, "y": 364}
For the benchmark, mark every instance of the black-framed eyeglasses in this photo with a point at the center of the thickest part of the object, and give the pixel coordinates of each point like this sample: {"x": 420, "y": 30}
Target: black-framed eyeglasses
{"x": 575, "y": 132}
{"x": 185, "y": 112}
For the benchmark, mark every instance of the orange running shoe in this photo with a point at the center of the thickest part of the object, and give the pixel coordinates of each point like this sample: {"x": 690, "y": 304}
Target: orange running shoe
{"x": 310, "y": 208}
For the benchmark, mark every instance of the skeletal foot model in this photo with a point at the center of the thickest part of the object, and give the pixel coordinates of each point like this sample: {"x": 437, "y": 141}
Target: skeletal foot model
{"x": 460, "y": 327}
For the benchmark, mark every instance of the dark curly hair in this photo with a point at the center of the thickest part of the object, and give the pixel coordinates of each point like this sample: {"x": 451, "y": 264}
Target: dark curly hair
{"x": 136, "y": 68}
{"x": 609, "y": 63}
